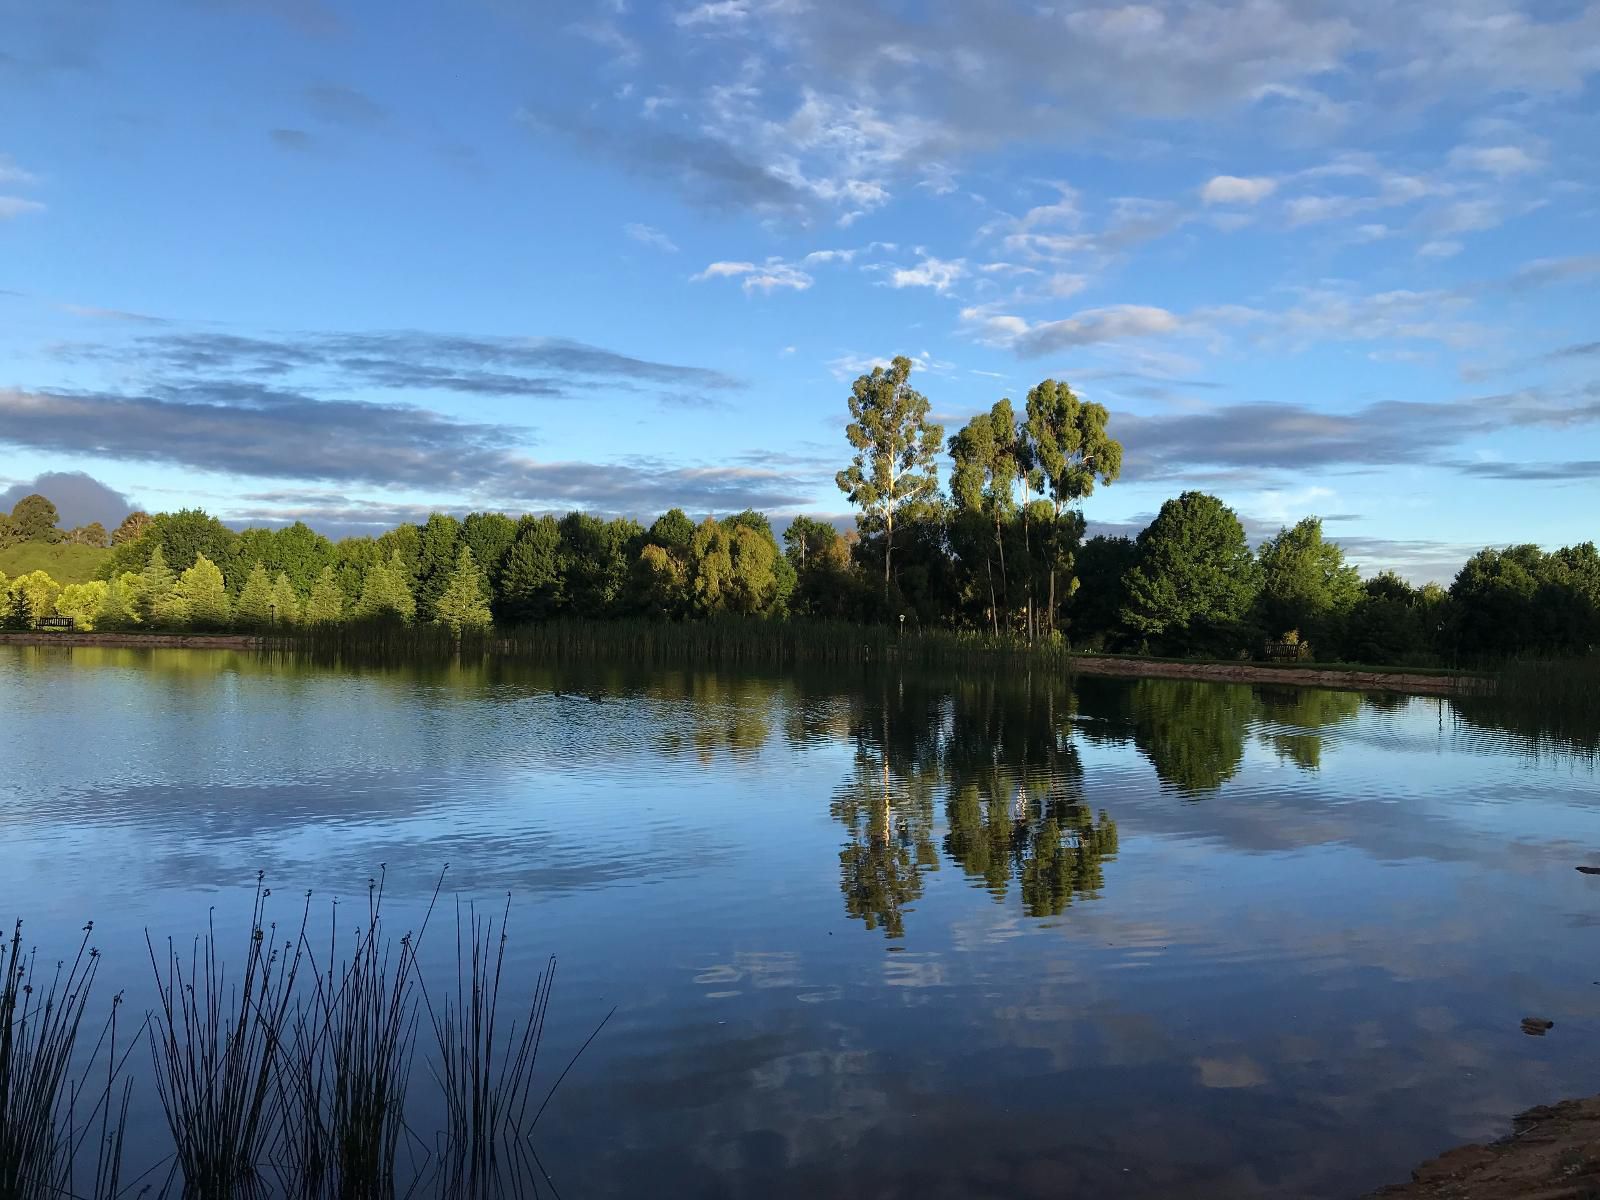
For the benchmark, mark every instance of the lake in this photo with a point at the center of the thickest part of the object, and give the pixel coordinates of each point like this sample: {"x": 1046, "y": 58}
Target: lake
{"x": 870, "y": 933}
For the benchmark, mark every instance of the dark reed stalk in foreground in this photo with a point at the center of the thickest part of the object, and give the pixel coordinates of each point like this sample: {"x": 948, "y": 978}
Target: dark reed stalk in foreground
{"x": 218, "y": 1049}
{"x": 41, "y": 1102}
{"x": 485, "y": 1150}
{"x": 273, "y": 1086}
{"x": 349, "y": 1067}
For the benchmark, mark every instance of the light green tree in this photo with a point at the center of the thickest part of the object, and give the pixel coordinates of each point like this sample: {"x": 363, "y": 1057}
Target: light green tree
{"x": 896, "y": 451}
{"x": 285, "y": 603}
{"x": 253, "y": 610}
{"x": 326, "y": 603}
{"x": 119, "y": 608}
{"x": 204, "y": 594}
{"x": 158, "y": 602}
{"x": 462, "y": 604}
{"x": 385, "y": 593}
{"x": 32, "y": 597}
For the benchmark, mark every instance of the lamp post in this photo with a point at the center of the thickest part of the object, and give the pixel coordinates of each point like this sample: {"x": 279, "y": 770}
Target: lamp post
{"x": 272, "y": 614}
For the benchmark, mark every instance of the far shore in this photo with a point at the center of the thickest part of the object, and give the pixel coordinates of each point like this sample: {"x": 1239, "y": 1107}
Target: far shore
{"x": 1351, "y": 679}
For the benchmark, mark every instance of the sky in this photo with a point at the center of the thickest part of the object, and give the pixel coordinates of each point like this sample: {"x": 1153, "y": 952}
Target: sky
{"x": 353, "y": 262}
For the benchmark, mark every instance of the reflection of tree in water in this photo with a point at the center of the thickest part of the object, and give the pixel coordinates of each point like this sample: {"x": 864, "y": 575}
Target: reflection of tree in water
{"x": 716, "y": 714}
{"x": 1194, "y": 732}
{"x": 1296, "y": 717}
{"x": 1014, "y": 786}
{"x": 1016, "y": 804}
{"x": 887, "y": 804}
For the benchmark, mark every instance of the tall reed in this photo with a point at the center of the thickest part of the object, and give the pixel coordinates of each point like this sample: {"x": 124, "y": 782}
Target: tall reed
{"x": 348, "y": 1070}
{"x": 41, "y": 1100}
{"x": 218, "y": 1047}
{"x": 486, "y": 1149}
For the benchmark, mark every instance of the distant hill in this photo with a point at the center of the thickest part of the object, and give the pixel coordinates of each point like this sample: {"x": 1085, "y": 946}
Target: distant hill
{"x": 62, "y": 562}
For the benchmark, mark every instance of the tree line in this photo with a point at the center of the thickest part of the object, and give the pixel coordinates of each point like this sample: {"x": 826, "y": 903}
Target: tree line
{"x": 1002, "y": 550}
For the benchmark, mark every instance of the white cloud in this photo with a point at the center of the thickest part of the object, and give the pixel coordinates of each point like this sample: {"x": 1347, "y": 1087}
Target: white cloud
{"x": 1114, "y": 323}
{"x": 1234, "y": 189}
{"x": 765, "y": 277}
{"x": 848, "y": 366}
{"x": 935, "y": 273}
{"x": 13, "y": 174}
{"x": 723, "y": 270}
{"x": 819, "y": 257}
{"x": 15, "y": 206}
{"x": 648, "y": 236}
{"x": 712, "y": 13}
{"x": 1499, "y": 161}
{"x": 1439, "y": 249}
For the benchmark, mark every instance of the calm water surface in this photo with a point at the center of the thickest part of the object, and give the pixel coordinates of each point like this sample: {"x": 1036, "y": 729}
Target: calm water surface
{"x": 877, "y": 934}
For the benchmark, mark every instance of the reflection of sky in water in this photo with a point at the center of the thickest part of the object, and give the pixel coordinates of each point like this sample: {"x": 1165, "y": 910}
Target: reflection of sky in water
{"x": 1318, "y": 930}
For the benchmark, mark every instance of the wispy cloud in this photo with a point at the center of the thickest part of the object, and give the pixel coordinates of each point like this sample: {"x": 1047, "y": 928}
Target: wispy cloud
{"x": 648, "y": 236}
{"x": 772, "y": 275}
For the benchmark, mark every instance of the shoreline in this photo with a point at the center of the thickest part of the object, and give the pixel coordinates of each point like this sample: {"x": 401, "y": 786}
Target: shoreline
{"x": 1552, "y": 1152}
{"x": 1399, "y": 680}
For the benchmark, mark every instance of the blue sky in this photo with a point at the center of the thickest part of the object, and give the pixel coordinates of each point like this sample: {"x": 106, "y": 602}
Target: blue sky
{"x": 351, "y": 262}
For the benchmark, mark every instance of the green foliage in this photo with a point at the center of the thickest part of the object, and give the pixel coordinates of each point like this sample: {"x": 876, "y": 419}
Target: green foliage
{"x": 285, "y": 601}
{"x": 438, "y": 543}
{"x": 464, "y": 603}
{"x": 896, "y": 459}
{"x": 83, "y": 602}
{"x": 203, "y": 594}
{"x": 1305, "y": 584}
{"x": 595, "y": 560}
{"x": 253, "y": 609}
{"x": 660, "y": 582}
{"x": 119, "y": 608}
{"x": 10, "y": 532}
{"x": 386, "y": 593}
{"x": 1523, "y": 601}
{"x": 157, "y": 602}
{"x": 353, "y": 558}
{"x": 29, "y": 599}
{"x": 326, "y": 603}
{"x": 1095, "y": 608}
{"x": 406, "y": 541}
{"x": 295, "y": 550}
{"x": 1195, "y": 580}
{"x": 191, "y": 532}
{"x": 490, "y": 537}
{"x": 36, "y": 519}
{"x": 672, "y": 530}
{"x": 531, "y": 586}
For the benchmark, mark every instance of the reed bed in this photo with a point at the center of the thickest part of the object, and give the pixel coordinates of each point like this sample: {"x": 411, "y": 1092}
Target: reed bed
{"x": 292, "y": 1078}
{"x": 1553, "y": 703}
{"x": 724, "y": 641}
{"x": 43, "y": 1123}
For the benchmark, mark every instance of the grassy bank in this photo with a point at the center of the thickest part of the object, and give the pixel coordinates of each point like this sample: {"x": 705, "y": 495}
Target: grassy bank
{"x": 64, "y": 562}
